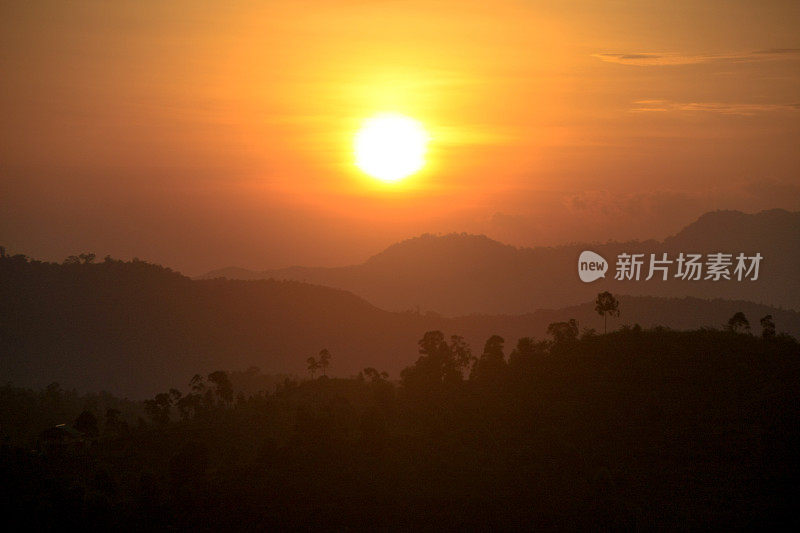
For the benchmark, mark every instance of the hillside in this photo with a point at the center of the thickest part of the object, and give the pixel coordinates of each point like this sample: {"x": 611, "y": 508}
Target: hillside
{"x": 132, "y": 327}
{"x": 458, "y": 273}
{"x": 672, "y": 430}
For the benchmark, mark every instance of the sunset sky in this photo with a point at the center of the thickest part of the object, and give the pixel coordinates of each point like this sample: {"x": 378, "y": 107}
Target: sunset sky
{"x": 204, "y": 134}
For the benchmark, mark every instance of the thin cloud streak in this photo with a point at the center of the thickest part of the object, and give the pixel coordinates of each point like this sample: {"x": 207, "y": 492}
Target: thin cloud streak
{"x": 721, "y": 108}
{"x": 651, "y": 59}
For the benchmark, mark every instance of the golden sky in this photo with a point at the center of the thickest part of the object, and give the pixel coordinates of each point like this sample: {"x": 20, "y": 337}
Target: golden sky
{"x": 202, "y": 134}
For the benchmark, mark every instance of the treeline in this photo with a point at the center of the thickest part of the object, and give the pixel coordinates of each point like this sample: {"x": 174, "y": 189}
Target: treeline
{"x": 133, "y": 327}
{"x": 635, "y": 428}
{"x": 24, "y": 412}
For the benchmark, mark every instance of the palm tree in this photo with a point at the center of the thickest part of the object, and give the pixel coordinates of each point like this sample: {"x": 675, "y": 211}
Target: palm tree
{"x": 605, "y": 305}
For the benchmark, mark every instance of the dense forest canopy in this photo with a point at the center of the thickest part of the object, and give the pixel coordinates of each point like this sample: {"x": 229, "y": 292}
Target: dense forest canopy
{"x": 635, "y": 428}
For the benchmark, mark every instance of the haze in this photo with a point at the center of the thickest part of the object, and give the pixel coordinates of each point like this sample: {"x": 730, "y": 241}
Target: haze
{"x": 206, "y": 134}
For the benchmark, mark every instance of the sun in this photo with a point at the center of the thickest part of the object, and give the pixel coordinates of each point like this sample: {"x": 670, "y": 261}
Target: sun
{"x": 390, "y": 146}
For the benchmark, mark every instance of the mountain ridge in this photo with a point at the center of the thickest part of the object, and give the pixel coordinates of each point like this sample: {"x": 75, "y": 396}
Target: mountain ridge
{"x": 436, "y": 272}
{"x": 134, "y": 328}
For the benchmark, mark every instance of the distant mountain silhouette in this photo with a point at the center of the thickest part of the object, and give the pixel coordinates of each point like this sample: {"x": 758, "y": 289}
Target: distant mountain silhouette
{"x": 136, "y": 328}
{"x": 459, "y": 273}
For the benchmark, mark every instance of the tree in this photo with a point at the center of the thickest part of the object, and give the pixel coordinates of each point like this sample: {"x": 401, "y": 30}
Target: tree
{"x": 523, "y": 352}
{"x": 373, "y": 375}
{"x": 606, "y": 305}
{"x": 312, "y": 366}
{"x": 738, "y": 323}
{"x": 196, "y": 384}
{"x": 564, "y": 331}
{"x": 459, "y": 351}
{"x": 526, "y": 353}
{"x": 176, "y": 395}
{"x": 85, "y": 259}
{"x": 158, "y": 409}
{"x": 491, "y": 364}
{"x": 224, "y": 388}
{"x": 324, "y": 360}
{"x": 767, "y": 327}
{"x": 440, "y": 362}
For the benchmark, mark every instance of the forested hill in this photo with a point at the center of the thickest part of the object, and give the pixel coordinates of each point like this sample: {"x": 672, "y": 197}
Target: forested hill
{"x": 132, "y": 327}
{"x": 653, "y": 429}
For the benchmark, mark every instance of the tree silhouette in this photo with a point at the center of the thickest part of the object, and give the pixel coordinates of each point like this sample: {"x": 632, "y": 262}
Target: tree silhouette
{"x": 197, "y": 384}
{"x": 459, "y": 351}
{"x": 85, "y": 259}
{"x": 324, "y": 360}
{"x": 158, "y": 409}
{"x": 564, "y": 331}
{"x": 440, "y": 362}
{"x": 223, "y": 386}
{"x": 738, "y": 323}
{"x": 373, "y": 375}
{"x": 86, "y": 423}
{"x": 312, "y": 365}
{"x": 491, "y": 364}
{"x": 606, "y": 305}
{"x": 767, "y": 327}
{"x": 556, "y": 410}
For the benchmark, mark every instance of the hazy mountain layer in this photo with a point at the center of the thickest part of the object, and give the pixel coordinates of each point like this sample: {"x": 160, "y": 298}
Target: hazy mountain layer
{"x": 457, "y": 274}
{"x": 135, "y": 328}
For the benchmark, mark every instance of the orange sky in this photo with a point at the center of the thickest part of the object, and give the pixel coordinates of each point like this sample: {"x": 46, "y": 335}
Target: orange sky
{"x": 204, "y": 134}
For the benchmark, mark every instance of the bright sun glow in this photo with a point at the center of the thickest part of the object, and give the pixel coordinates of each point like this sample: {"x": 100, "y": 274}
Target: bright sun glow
{"x": 390, "y": 146}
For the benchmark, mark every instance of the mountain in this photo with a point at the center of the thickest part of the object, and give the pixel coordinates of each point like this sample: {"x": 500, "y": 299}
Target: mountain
{"x": 136, "y": 328}
{"x": 459, "y": 274}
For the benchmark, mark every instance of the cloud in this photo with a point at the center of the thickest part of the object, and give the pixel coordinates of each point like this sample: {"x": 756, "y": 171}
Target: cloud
{"x": 778, "y": 51}
{"x": 649, "y": 59}
{"x": 721, "y": 108}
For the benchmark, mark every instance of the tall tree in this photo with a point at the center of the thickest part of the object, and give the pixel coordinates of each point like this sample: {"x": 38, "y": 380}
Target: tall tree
{"x": 606, "y": 305}
{"x": 312, "y": 365}
{"x": 324, "y": 360}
